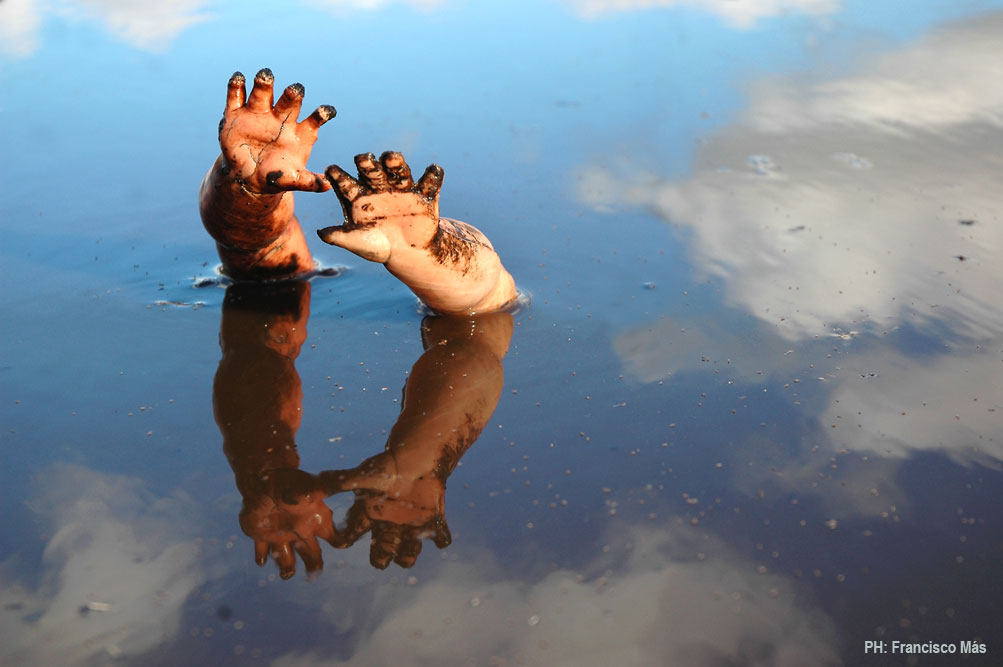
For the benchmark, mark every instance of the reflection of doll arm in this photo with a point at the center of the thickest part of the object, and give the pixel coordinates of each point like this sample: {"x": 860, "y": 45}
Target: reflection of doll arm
{"x": 449, "y": 397}
{"x": 452, "y": 391}
{"x": 447, "y": 403}
{"x": 257, "y": 395}
{"x": 255, "y": 401}
{"x": 257, "y": 398}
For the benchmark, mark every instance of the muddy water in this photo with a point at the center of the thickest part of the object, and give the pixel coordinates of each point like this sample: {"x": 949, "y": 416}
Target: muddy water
{"x": 751, "y": 415}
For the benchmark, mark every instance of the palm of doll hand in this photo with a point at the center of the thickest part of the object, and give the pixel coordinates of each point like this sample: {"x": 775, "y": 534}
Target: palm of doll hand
{"x": 264, "y": 146}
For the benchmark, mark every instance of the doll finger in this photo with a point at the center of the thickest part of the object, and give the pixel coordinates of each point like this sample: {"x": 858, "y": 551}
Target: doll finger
{"x": 290, "y": 102}
{"x": 326, "y": 530}
{"x": 397, "y": 171}
{"x": 302, "y": 180}
{"x": 285, "y": 559}
{"x": 320, "y": 115}
{"x": 260, "y": 99}
{"x": 371, "y": 174}
{"x": 309, "y": 552}
{"x": 385, "y": 545}
{"x": 441, "y": 535}
{"x": 409, "y": 550}
{"x": 347, "y": 189}
{"x": 260, "y": 552}
{"x": 431, "y": 181}
{"x": 235, "y": 93}
{"x": 358, "y": 524}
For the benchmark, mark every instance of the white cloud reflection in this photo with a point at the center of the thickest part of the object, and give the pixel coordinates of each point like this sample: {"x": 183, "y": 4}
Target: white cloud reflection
{"x": 680, "y": 597}
{"x": 738, "y": 13}
{"x": 951, "y": 403}
{"x": 341, "y": 6}
{"x": 866, "y": 203}
{"x": 149, "y": 26}
{"x": 19, "y": 24}
{"x": 842, "y": 203}
{"x": 938, "y": 83}
{"x": 115, "y": 572}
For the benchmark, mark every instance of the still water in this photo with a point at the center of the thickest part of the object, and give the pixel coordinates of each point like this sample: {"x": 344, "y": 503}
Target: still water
{"x": 752, "y": 413}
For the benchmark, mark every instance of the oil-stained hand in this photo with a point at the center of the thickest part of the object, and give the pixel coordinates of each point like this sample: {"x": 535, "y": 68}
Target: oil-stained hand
{"x": 392, "y": 219}
{"x": 384, "y": 196}
{"x": 264, "y": 146}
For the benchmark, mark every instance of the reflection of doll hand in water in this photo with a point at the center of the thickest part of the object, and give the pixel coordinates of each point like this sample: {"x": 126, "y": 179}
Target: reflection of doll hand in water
{"x": 245, "y": 201}
{"x": 400, "y": 508}
{"x": 449, "y": 397}
{"x": 389, "y": 218}
{"x": 286, "y": 517}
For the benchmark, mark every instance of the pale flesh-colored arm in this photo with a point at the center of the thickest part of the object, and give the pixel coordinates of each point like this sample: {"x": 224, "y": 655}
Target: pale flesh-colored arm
{"x": 391, "y": 219}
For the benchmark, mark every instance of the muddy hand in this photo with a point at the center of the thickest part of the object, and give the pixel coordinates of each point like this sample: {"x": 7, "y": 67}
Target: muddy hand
{"x": 384, "y": 195}
{"x": 392, "y": 219}
{"x": 264, "y": 145}
{"x": 385, "y": 189}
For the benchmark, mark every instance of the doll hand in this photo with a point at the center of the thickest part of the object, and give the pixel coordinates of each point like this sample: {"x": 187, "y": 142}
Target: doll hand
{"x": 385, "y": 189}
{"x": 264, "y": 146}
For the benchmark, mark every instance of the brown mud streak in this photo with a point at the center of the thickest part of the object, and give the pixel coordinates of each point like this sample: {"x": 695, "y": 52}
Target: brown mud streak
{"x": 467, "y": 435}
{"x": 455, "y": 245}
{"x": 258, "y": 272}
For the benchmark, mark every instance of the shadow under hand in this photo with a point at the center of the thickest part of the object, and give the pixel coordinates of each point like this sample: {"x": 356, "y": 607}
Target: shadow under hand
{"x": 449, "y": 397}
{"x": 257, "y": 399}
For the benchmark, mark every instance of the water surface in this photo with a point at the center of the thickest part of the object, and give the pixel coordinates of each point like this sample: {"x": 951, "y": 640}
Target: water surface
{"x": 752, "y": 414}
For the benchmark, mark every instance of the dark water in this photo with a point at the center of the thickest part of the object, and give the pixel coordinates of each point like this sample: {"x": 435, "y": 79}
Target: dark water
{"x": 753, "y": 414}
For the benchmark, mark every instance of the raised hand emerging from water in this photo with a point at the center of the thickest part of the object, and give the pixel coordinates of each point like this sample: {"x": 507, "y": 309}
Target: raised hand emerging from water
{"x": 449, "y": 397}
{"x": 389, "y": 218}
{"x": 246, "y": 201}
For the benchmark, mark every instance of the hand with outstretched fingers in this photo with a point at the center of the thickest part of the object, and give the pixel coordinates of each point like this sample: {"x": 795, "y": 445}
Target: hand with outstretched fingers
{"x": 384, "y": 200}
{"x": 287, "y": 519}
{"x": 399, "y": 510}
{"x": 264, "y": 146}
{"x": 392, "y": 219}
{"x": 386, "y": 188}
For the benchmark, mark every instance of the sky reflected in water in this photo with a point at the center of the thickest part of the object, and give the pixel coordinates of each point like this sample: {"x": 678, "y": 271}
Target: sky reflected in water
{"x": 751, "y": 413}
